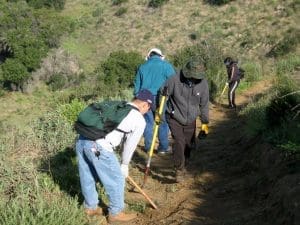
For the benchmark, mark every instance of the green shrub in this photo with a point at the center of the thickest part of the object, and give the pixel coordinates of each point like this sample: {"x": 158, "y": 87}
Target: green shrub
{"x": 57, "y": 4}
{"x": 97, "y": 12}
{"x": 217, "y": 2}
{"x": 28, "y": 33}
{"x": 118, "y": 2}
{"x": 121, "y": 11}
{"x": 157, "y": 3}
{"x": 54, "y": 132}
{"x": 70, "y": 111}
{"x": 56, "y": 82}
{"x": 13, "y": 71}
{"x": 118, "y": 70}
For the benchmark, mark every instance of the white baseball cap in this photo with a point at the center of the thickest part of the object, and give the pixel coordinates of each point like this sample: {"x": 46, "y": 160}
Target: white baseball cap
{"x": 157, "y": 51}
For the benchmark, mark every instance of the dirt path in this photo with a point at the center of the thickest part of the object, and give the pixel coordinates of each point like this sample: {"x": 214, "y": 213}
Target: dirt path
{"x": 214, "y": 192}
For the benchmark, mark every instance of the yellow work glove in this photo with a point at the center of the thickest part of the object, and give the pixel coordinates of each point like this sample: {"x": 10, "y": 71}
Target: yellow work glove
{"x": 203, "y": 132}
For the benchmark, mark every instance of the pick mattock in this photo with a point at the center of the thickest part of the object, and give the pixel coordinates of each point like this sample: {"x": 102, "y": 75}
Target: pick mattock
{"x": 143, "y": 193}
{"x": 157, "y": 121}
{"x": 224, "y": 89}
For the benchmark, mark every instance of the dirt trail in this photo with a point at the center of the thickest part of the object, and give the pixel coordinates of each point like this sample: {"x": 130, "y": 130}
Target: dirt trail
{"x": 218, "y": 188}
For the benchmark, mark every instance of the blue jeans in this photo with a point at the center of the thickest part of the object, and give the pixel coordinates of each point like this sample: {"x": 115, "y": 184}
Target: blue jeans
{"x": 163, "y": 132}
{"x": 105, "y": 168}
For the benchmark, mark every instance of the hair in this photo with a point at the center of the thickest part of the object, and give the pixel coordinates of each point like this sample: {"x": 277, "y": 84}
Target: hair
{"x": 154, "y": 53}
{"x": 229, "y": 61}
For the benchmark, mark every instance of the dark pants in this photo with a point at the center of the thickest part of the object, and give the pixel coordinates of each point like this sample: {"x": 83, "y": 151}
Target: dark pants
{"x": 183, "y": 137}
{"x": 231, "y": 92}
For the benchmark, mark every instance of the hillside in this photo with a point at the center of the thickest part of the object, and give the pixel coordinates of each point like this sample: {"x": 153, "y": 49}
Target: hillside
{"x": 246, "y": 172}
{"x": 248, "y": 29}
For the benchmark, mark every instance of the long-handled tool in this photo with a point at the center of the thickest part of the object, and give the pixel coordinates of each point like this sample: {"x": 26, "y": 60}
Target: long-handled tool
{"x": 155, "y": 131}
{"x": 142, "y": 192}
{"x": 224, "y": 89}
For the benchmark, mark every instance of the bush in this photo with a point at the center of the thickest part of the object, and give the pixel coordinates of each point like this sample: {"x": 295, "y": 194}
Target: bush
{"x": 118, "y": 2}
{"x": 56, "y": 82}
{"x": 57, "y": 4}
{"x": 121, "y": 11}
{"x": 14, "y": 72}
{"x": 217, "y": 2}
{"x": 156, "y": 3}
{"x": 118, "y": 70}
{"x": 54, "y": 132}
{"x": 70, "y": 111}
{"x": 28, "y": 34}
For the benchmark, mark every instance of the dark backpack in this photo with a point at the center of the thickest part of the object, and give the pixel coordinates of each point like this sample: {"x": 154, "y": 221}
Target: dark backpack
{"x": 241, "y": 73}
{"x": 98, "y": 119}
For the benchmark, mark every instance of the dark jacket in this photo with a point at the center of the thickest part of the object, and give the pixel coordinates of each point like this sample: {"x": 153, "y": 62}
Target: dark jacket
{"x": 187, "y": 100}
{"x": 233, "y": 72}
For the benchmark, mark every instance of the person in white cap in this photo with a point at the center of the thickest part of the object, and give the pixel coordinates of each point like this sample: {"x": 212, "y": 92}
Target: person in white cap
{"x": 151, "y": 75}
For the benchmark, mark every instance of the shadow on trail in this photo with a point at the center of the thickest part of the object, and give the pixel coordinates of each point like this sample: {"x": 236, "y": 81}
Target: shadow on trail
{"x": 233, "y": 179}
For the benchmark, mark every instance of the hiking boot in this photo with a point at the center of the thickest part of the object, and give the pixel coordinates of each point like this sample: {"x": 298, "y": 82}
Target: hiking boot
{"x": 121, "y": 218}
{"x": 165, "y": 152}
{"x": 94, "y": 212}
{"x": 180, "y": 174}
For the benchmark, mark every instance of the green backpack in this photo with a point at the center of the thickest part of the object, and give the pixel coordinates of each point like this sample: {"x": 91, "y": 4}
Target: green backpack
{"x": 98, "y": 119}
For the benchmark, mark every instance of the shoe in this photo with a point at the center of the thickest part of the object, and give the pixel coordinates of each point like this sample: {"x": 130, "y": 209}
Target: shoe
{"x": 121, "y": 217}
{"x": 94, "y": 212}
{"x": 180, "y": 176}
{"x": 232, "y": 107}
{"x": 165, "y": 152}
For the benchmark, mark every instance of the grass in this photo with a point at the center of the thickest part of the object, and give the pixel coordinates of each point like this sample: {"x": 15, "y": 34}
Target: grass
{"x": 39, "y": 181}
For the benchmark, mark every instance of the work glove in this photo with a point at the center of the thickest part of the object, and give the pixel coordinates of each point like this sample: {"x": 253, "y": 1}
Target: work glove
{"x": 124, "y": 170}
{"x": 203, "y": 132}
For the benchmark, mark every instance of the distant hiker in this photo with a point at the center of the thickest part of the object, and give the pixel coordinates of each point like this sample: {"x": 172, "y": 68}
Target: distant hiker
{"x": 97, "y": 160}
{"x": 151, "y": 75}
{"x": 188, "y": 98}
{"x": 233, "y": 80}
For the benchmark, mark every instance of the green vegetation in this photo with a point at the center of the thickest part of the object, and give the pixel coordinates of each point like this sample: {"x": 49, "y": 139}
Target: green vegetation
{"x": 98, "y": 58}
{"x": 157, "y": 3}
{"x": 217, "y": 2}
{"x": 276, "y": 114}
{"x": 26, "y": 37}
{"x": 118, "y": 71}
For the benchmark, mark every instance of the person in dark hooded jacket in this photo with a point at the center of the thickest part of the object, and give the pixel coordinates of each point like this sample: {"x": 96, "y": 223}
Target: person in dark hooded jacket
{"x": 188, "y": 98}
{"x": 233, "y": 80}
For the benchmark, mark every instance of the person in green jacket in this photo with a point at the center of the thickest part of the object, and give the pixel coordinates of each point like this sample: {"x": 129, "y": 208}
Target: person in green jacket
{"x": 151, "y": 75}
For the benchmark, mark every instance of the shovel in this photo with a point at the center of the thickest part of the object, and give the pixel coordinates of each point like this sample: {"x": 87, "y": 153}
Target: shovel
{"x": 155, "y": 131}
